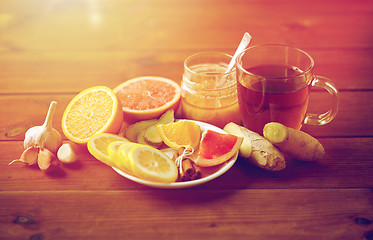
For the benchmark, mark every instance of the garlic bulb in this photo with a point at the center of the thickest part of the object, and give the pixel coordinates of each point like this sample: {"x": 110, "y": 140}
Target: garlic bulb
{"x": 44, "y": 136}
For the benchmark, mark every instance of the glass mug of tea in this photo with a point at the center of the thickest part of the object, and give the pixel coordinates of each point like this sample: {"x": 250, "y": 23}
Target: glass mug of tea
{"x": 274, "y": 84}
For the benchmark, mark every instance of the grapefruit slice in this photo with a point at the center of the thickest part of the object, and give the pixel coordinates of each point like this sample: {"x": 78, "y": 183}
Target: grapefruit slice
{"x": 147, "y": 97}
{"x": 216, "y": 148}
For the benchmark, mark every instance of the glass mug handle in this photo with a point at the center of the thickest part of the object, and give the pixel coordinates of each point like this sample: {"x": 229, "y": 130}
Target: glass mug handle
{"x": 326, "y": 117}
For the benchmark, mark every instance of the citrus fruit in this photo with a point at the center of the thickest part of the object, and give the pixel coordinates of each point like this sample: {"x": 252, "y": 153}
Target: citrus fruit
{"x": 147, "y": 97}
{"x": 112, "y": 150}
{"x": 216, "y": 148}
{"x": 151, "y": 164}
{"x": 98, "y": 146}
{"x": 92, "y": 111}
{"x": 123, "y": 160}
{"x": 180, "y": 134}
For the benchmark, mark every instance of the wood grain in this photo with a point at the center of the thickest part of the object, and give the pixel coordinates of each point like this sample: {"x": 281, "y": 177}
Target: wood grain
{"x": 25, "y": 111}
{"x": 279, "y": 214}
{"x": 118, "y": 25}
{"x": 70, "y": 72}
{"x": 347, "y": 164}
{"x": 53, "y": 49}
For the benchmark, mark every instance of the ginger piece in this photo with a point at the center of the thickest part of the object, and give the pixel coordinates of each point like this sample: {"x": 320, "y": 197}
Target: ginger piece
{"x": 142, "y": 140}
{"x": 145, "y": 132}
{"x": 296, "y": 143}
{"x": 263, "y": 153}
{"x": 135, "y": 129}
{"x": 245, "y": 148}
{"x": 151, "y": 133}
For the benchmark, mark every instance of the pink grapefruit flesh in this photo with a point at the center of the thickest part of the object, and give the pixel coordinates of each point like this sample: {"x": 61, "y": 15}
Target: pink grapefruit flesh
{"x": 216, "y": 148}
{"x": 147, "y": 97}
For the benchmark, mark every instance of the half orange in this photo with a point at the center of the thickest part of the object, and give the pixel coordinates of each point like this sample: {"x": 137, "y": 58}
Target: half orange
{"x": 147, "y": 97}
{"x": 92, "y": 111}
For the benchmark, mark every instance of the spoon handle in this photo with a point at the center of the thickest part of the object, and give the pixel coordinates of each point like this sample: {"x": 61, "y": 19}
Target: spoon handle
{"x": 243, "y": 44}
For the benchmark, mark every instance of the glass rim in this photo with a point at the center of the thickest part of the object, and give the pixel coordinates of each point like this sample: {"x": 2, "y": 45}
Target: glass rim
{"x": 205, "y": 53}
{"x": 305, "y": 72}
{"x": 194, "y": 84}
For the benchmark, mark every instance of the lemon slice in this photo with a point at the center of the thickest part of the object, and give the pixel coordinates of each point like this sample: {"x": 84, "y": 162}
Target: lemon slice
{"x": 112, "y": 150}
{"x": 123, "y": 161}
{"x": 151, "y": 164}
{"x": 97, "y": 145}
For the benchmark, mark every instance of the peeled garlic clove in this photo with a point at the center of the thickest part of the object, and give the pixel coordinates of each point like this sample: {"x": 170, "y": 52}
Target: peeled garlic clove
{"x": 66, "y": 153}
{"x": 47, "y": 161}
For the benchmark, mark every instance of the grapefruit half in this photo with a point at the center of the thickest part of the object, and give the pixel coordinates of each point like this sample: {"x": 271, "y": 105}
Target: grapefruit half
{"x": 147, "y": 97}
{"x": 216, "y": 148}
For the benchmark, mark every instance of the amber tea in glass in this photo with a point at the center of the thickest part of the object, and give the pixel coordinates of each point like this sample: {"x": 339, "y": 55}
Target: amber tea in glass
{"x": 274, "y": 84}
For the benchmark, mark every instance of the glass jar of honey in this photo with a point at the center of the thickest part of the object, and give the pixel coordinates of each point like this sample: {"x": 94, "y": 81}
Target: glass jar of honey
{"x": 209, "y": 94}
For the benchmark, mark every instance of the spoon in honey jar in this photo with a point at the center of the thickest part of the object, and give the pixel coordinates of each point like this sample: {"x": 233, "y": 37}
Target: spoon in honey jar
{"x": 246, "y": 39}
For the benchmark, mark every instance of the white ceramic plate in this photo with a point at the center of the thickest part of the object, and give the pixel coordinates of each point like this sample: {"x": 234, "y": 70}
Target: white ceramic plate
{"x": 210, "y": 172}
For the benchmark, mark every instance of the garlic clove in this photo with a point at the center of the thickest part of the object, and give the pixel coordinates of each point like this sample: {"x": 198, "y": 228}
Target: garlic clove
{"x": 47, "y": 161}
{"x": 29, "y": 156}
{"x": 52, "y": 140}
{"x": 66, "y": 153}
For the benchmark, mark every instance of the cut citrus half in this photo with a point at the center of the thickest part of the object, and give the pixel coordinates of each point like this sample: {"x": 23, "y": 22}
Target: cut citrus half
{"x": 216, "y": 148}
{"x": 151, "y": 164}
{"x": 112, "y": 150}
{"x": 98, "y": 146}
{"x": 179, "y": 134}
{"x": 92, "y": 111}
{"x": 147, "y": 97}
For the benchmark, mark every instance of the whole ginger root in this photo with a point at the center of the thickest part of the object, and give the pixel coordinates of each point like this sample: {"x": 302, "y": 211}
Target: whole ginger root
{"x": 296, "y": 143}
{"x": 262, "y": 153}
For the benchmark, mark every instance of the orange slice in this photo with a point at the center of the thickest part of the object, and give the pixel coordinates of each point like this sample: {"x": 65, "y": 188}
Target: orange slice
{"x": 92, "y": 111}
{"x": 179, "y": 134}
{"x": 147, "y": 97}
{"x": 216, "y": 148}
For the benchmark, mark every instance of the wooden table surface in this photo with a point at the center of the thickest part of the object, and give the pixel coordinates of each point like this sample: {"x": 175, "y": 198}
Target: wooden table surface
{"x": 53, "y": 49}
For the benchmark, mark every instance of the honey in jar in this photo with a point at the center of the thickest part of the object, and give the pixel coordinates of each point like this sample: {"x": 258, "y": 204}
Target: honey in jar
{"x": 208, "y": 93}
